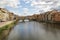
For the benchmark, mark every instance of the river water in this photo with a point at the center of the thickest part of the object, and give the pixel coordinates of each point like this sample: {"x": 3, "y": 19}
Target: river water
{"x": 35, "y": 31}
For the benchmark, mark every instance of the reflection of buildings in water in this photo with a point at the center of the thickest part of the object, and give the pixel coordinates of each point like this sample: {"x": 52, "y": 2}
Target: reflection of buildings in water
{"x": 53, "y": 28}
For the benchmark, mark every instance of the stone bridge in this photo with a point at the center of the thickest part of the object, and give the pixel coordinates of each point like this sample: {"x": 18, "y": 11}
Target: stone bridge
{"x": 23, "y": 18}
{"x": 30, "y": 18}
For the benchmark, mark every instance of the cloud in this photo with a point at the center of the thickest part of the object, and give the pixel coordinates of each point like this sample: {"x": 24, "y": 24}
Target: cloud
{"x": 45, "y": 5}
{"x": 27, "y": 1}
{"x": 25, "y": 11}
{"x": 11, "y": 3}
{"x": 34, "y": 5}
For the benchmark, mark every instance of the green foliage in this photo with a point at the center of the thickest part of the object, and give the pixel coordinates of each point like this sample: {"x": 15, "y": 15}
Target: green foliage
{"x": 6, "y": 27}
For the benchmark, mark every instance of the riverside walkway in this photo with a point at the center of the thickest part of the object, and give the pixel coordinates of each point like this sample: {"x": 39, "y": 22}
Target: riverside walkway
{"x": 5, "y": 23}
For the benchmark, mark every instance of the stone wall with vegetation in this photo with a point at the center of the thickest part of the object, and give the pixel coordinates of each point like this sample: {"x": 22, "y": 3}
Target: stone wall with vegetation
{"x": 4, "y": 31}
{"x": 5, "y": 15}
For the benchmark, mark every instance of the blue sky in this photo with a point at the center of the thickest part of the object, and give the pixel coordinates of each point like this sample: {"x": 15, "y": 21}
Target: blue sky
{"x": 29, "y": 7}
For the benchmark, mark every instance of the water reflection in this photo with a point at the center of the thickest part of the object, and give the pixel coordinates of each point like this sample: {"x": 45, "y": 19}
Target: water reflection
{"x": 35, "y": 31}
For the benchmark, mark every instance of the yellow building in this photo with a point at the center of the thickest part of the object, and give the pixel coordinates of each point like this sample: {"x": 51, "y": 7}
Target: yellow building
{"x": 4, "y": 16}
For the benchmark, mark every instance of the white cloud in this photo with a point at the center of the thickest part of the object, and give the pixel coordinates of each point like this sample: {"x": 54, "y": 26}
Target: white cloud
{"x": 11, "y": 3}
{"x": 27, "y": 1}
{"x": 45, "y": 5}
{"x": 38, "y": 5}
{"x": 25, "y": 11}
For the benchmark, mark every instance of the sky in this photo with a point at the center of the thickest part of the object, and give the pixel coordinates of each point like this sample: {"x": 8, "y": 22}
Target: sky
{"x": 29, "y": 7}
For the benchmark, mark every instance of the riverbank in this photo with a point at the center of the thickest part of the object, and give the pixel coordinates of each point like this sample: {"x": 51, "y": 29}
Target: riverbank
{"x": 5, "y": 28}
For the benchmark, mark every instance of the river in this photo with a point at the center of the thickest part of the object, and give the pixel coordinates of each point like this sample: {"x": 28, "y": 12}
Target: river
{"x": 35, "y": 31}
